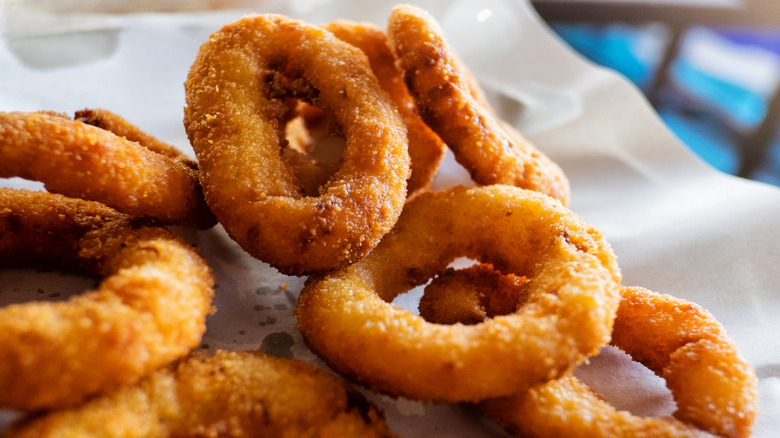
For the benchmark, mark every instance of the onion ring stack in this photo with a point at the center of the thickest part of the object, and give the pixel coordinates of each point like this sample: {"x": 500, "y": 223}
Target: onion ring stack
{"x": 84, "y": 161}
{"x": 347, "y": 318}
{"x": 236, "y": 394}
{"x": 544, "y": 295}
{"x": 149, "y": 309}
{"x": 235, "y": 95}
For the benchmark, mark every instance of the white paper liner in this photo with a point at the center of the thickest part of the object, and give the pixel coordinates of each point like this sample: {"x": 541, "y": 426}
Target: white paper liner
{"x": 677, "y": 225}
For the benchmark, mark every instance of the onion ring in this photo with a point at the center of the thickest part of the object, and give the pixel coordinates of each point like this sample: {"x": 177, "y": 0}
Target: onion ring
{"x": 346, "y": 317}
{"x": 83, "y": 161}
{"x": 234, "y": 119}
{"x": 105, "y": 119}
{"x": 449, "y": 104}
{"x": 236, "y": 394}
{"x": 149, "y": 309}
{"x": 713, "y": 386}
{"x": 426, "y": 149}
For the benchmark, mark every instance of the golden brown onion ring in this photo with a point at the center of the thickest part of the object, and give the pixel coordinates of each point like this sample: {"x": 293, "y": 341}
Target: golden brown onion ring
{"x": 234, "y": 118}
{"x": 235, "y": 394}
{"x": 149, "y": 309}
{"x": 110, "y": 121}
{"x": 347, "y": 318}
{"x": 83, "y": 161}
{"x": 713, "y": 386}
{"x": 444, "y": 93}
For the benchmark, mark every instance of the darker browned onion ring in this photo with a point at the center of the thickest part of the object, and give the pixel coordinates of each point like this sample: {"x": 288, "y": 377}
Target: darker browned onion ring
{"x": 236, "y": 91}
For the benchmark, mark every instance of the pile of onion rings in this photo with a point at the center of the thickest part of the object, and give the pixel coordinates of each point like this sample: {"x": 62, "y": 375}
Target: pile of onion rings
{"x": 95, "y": 364}
{"x": 347, "y": 318}
{"x": 505, "y": 334}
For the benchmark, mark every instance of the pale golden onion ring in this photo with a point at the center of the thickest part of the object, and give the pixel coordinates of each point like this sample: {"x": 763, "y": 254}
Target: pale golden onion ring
{"x": 347, "y": 318}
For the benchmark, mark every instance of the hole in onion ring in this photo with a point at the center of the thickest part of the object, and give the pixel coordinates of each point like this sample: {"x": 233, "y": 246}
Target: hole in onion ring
{"x": 411, "y": 299}
{"x": 614, "y": 374}
{"x": 313, "y": 132}
{"x": 314, "y": 147}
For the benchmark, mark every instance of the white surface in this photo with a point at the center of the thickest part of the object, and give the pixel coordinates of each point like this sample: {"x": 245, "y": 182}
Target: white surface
{"x": 678, "y": 226}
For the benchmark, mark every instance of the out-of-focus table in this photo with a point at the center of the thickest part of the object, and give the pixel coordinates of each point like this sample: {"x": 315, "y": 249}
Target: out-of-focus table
{"x": 674, "y": 12}
{"x": 677, "y": 16}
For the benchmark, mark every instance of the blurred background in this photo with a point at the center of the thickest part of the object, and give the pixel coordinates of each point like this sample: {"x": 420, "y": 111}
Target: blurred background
{"x": 711, "y": 68}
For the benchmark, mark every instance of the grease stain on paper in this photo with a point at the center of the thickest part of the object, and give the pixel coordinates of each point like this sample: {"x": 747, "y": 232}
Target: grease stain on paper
{"x": 278, "y": 344}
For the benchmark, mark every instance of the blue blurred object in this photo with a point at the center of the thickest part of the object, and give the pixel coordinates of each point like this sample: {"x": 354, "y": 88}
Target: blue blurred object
{"x": 736, "y": 79}
{"x": 744, "y": 107}
{"x": 715, "y": 92}
{"x": 747, "y": 37}
{"x": 634, "y": 51}
{"x": 706, "y": 137}
{"x": 768, "y": 170}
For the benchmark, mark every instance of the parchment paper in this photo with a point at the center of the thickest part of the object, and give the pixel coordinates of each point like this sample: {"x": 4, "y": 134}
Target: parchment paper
{"x": 678, "y": 226}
